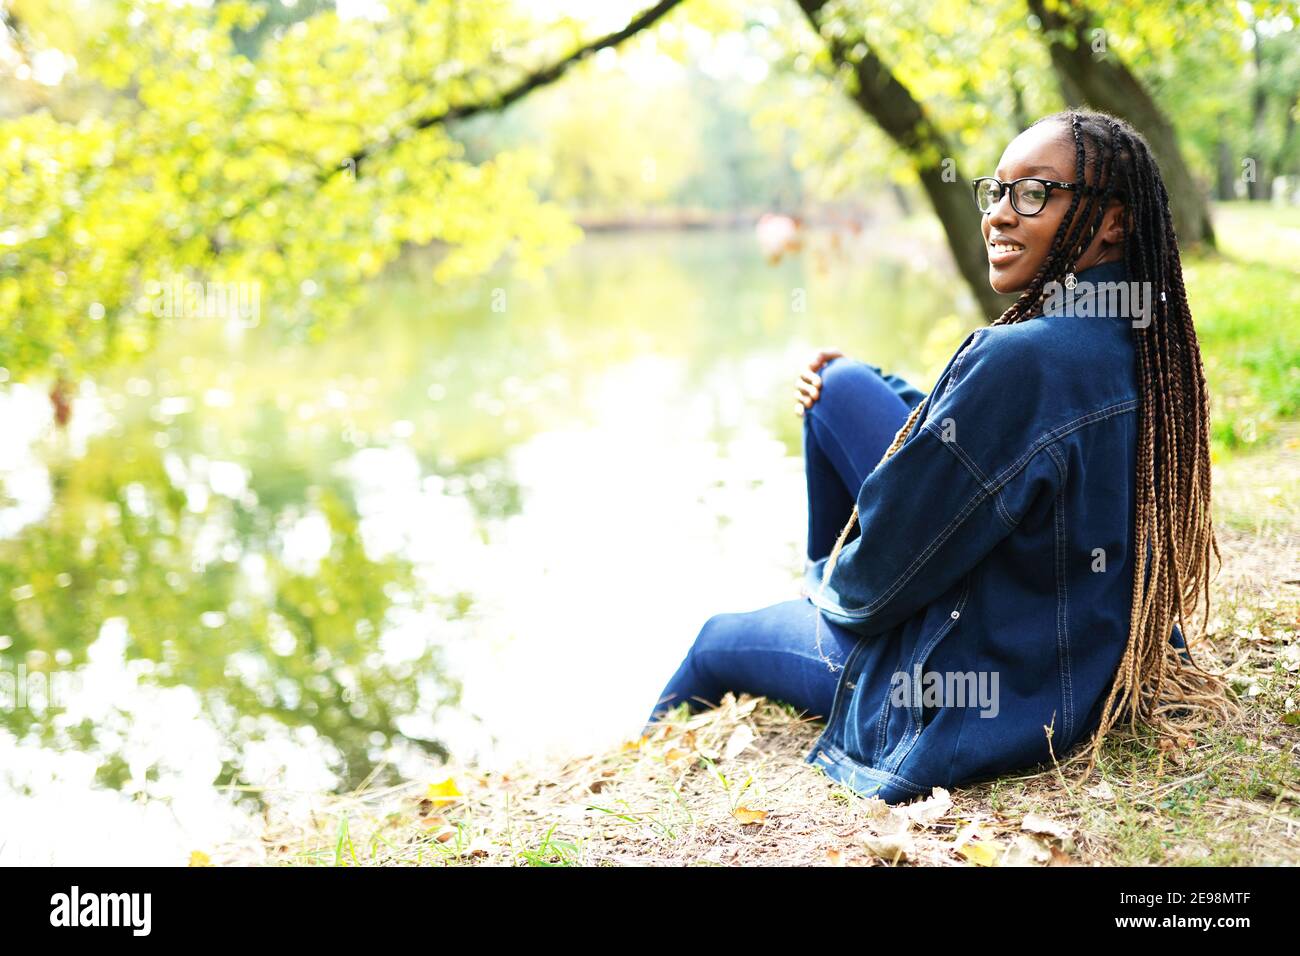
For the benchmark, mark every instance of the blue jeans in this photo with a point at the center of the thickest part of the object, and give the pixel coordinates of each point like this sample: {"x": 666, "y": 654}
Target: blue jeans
{"x": 774, "y": 652}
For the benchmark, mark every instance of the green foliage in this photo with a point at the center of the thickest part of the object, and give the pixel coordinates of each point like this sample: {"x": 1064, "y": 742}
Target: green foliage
{"x": 1244, "y": 306}
{"x": 195, "y": 160}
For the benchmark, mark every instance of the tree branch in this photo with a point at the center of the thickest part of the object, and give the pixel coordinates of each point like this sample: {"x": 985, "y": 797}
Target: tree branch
{"x": 532, "y": 81}
{"x": 528, "y": 84}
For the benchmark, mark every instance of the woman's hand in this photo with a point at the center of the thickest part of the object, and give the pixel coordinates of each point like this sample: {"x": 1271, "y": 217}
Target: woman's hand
{"x": 809, "y": 384}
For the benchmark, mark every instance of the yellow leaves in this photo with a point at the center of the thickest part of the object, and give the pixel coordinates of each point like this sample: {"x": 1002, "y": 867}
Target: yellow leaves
{"x": 214, "y": 165}
{"x": 676, "y": 755}
{"x": 981, "y": 853}
{"x": 240, "y": 13}
{"x": 199, "y": 858}
{"x": 444, "y": 792}
{"x": 636, "y": 744}
{"x": 747, "y": 815}
{"x": 1041, "y": 841}
{"x": 897, "y": 834}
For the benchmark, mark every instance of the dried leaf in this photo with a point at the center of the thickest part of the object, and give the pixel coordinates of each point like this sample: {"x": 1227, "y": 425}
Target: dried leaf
{"x": 876, "y": 808}
{"x": 896, "y": 822}
{"x": 740, "y": 738}
{"x": 746, "y": 815}
{"x": 1027, "y": 850}
{"x": 971, "y": 831}
{"x": 930, "y": 810}
{"x": 1103, "y": 791}
{"x": 895, "y": 847}
{"x": 1060, "y": 858}
{"x": 981, "y": 853}
{"x": 1036, "y": 823}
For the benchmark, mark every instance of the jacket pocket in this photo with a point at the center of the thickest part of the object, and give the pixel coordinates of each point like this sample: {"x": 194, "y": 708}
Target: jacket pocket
{"x": 900, "y": 733}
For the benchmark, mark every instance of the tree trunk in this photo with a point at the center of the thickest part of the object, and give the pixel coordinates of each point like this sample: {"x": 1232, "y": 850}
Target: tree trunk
{"x": 1260, "y": 182}
{"x": 1018, "y": 111}
{"x": 1105, "y": 83}
{"x": 881, "y": 96}
{"x": 1227, "y": 171}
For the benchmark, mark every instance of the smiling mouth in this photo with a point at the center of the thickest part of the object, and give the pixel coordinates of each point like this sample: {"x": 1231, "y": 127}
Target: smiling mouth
{"x": 1002, "y": 252}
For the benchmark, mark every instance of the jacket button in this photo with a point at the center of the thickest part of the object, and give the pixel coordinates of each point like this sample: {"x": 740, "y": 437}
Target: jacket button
{"x": 956, "y": 614}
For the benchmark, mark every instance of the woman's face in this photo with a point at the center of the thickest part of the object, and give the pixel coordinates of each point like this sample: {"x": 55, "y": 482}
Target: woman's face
{"x": 1017, "y": 245}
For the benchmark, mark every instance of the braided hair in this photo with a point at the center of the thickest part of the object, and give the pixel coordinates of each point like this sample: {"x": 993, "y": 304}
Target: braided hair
{"x": 1153, "y": 682}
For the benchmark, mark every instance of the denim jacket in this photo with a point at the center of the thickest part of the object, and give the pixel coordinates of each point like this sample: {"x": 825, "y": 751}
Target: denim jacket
{"x": 992, "y": 576}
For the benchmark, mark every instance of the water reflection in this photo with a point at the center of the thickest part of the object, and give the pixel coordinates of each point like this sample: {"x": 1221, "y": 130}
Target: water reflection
{"x": 247, "y": 582}
{"x": 486, "y": 520}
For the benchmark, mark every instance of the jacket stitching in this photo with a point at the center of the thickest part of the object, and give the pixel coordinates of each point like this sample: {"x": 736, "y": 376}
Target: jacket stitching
{"x": 837, "y": 700}
{"x": 966, "y": 460}
{"x": 868, "y": 771}
{"x": 1063, "y": 605}
{"x": 940, "y": 388}
{"x": 1003, "y": 513}
{"x": 914, "y": 726}
{"x": 1060, "y": 432}
{"x": 961, "y": 356}
{"x": 881, "y": 720}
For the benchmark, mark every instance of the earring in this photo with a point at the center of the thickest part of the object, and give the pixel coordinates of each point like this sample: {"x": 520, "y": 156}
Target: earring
{"x": 1070, "y": 280}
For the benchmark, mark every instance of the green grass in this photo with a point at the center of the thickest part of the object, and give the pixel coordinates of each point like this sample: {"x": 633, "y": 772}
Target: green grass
{"x": 1245, "y": 301}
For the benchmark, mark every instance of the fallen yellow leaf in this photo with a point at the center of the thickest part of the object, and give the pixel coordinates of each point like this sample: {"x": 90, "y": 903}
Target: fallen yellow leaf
{"x": 444, "y": 791}
{"x": 981, "y": 854}
{"x": 199, "y": 858}
{"x": 746, "y": 815}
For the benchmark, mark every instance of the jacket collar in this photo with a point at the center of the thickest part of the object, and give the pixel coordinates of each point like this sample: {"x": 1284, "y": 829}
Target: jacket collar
{"x": 1114, "y": 271}
{"x": 1065, "y": 301}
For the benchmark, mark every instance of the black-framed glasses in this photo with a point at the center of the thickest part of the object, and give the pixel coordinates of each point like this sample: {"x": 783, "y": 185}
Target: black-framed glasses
{"x": 1028, "y": 195}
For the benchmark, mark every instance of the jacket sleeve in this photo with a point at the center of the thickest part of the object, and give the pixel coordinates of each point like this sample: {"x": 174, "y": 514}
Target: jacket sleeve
{"x": 960, "y": 483}
{"x": 908, "y": 392}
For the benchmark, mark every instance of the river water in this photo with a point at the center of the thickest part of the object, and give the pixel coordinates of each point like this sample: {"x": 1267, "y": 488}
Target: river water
{"x": 483, "y": 521}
